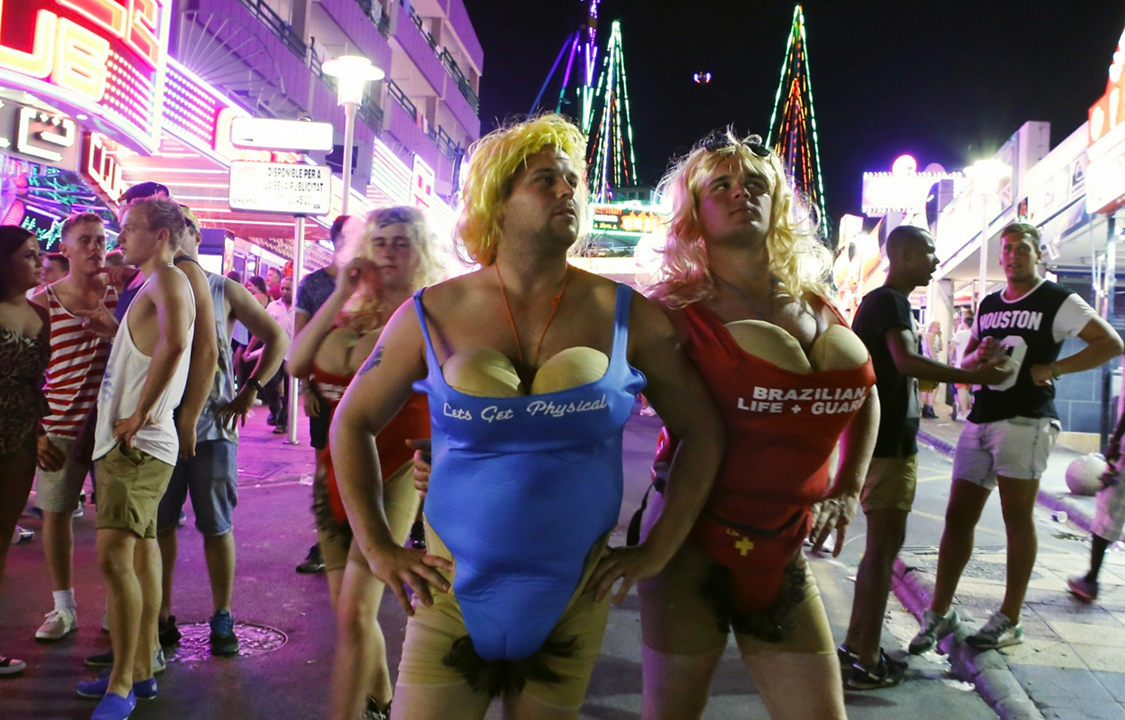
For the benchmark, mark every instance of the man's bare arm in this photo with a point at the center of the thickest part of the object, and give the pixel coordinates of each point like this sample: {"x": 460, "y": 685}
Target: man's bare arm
{"x": 250, "y": 313}
{"x": 1102, "y": 345}
{"x": 204, "y": 358}
{"x": 910, "y": 362}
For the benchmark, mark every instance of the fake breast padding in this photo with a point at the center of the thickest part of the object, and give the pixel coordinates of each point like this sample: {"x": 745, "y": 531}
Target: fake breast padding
{"x": 484, "y": 372}
{"x": 837, "y": 348}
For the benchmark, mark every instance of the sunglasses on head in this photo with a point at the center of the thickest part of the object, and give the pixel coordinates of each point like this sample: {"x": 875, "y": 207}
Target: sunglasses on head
{"x": 723, "y": 141}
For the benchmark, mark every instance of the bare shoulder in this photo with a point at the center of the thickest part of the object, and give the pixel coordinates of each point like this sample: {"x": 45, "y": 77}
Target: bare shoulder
{"x": 451, "y": 293}
{"x": 40, "y": 299}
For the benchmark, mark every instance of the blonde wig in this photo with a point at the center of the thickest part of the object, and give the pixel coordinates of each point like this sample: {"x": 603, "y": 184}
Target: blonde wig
{"x": 798, "y": 260}
{"x": 366, "y": 310}
{"x": 494, "y": 161}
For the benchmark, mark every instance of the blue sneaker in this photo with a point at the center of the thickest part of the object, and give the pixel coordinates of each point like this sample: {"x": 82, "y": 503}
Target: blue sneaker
{"x": 144, "y": 689}
{"x": 115, "y": 707}
{"x": 223, "y": 639}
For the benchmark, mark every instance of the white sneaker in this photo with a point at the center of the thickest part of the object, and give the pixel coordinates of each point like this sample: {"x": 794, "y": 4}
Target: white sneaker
{"x": 998, "y": 632}
{"x": 59, "y": 624}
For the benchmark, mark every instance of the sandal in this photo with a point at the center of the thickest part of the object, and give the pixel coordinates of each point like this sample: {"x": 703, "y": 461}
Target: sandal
{"x": 11, "y": 666}
{"x": 890, "y": 672}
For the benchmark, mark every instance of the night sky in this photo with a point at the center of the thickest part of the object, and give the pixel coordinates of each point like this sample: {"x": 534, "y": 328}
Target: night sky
{"x": 946, "y": 82}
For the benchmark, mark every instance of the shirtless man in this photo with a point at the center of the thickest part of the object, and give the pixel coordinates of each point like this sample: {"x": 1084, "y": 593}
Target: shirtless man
{"x": 74, "y": 375}
{"x": 136, "y": 446}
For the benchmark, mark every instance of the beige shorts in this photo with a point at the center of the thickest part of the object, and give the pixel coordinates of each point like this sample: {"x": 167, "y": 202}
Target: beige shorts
{"x": 890, "y": 484}
{"x": 400, "y": 503}
{"x": 57, "y": 491}
{"x": 677, "y": 619}
{"x": 432, "y": 631}
{"x": 130, "y": 485}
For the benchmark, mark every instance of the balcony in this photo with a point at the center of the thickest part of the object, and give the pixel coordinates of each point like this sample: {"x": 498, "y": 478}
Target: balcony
{"x": 369, "y": 111}
{"x": 437, "y": 134}
{"x": 447, "y": 61}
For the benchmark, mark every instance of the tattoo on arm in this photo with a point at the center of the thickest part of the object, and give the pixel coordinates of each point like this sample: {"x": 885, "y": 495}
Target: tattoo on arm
{"x": 373, "y": 361}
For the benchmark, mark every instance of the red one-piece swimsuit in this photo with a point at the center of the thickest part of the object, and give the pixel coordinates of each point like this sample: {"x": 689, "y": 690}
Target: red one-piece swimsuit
{"x": 781, "y": 429}
{"x": 411, "y": 423}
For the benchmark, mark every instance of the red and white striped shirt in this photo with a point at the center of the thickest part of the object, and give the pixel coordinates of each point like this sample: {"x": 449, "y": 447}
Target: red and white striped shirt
{"x": 74, "y": 375}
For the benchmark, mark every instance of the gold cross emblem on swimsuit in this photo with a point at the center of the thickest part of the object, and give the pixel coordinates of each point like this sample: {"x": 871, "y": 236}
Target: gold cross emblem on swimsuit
{"x": 744, "y": 546}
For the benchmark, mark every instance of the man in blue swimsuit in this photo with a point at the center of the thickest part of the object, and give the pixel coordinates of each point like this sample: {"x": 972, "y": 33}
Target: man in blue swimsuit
{"x": 546, "y": 465}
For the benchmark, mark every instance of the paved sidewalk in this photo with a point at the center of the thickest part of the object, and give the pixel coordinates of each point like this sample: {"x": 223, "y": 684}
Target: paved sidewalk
{"x": 1071, "y": 663}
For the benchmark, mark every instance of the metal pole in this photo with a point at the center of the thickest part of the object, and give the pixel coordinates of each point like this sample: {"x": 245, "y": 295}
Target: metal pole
{"x": 1109, "y": 285}
{"x": 983, "y": 252}
{"x": 298, "y": 270}
{"x": 349, "y": 138}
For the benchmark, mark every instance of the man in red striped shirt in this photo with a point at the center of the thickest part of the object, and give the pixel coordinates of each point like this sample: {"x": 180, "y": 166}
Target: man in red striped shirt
{"x": 74, "y": 376}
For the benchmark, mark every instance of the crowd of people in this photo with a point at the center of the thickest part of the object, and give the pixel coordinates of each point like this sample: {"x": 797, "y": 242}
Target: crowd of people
{"x": 450, "y": 416}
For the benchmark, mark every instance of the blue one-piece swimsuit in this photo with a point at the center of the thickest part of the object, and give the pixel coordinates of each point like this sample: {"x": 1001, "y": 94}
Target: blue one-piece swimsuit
{"x": 522, "y": 488}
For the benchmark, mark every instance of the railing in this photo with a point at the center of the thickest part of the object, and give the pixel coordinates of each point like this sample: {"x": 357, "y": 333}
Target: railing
{"x": 374, "y": 11}
{"x": 448, "y": 147}
{"x": 368, "y": 109}
{"x": 447, "y": 60}
{"x": 406, "y": 103}
{"x": 463, "y": 83}
{"x": 280, "y": 28}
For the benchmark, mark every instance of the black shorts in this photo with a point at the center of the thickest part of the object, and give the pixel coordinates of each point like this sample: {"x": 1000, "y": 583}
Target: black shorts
{"x": 318, "y": 427}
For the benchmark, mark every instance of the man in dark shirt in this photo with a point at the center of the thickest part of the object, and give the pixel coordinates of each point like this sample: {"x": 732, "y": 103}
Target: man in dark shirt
{"x": 313, "y": 292}
{"x": 886, "y": 325}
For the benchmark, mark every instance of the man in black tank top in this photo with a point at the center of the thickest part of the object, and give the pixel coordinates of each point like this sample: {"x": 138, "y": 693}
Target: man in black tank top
{"x": 1012, "y": 428}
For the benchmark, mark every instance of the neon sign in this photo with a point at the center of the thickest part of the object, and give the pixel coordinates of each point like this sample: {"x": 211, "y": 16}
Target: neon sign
{"x": 615, "y": 218}
{"x": 1105, "y": 179}
{"x": 102, "y": 169}
{"x": 32, "y": 134}
{"x": 102, "y": 58}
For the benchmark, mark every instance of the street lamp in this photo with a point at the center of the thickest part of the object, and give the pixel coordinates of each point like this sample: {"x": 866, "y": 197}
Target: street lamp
{"x": 988, "y": 176}
{"x": 352, "y": 73}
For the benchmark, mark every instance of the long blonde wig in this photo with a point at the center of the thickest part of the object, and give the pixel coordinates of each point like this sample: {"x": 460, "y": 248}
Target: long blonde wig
{"x": 494, "y": 161}
{"x": 798, "y": 260}
{"x": 366, "y": 309}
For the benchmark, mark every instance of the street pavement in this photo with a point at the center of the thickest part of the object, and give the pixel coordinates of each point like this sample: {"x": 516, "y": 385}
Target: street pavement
{"x": 1070, "y": 664}
{"x": 289, "y": 632}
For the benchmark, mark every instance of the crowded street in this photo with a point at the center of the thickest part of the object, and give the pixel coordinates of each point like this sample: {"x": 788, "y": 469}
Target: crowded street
{"x": 288, "y": 628}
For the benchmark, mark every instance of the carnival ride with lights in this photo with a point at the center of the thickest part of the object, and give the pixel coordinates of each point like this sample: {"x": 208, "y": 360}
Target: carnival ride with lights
{"x": 792, "y": 133}
{"x": 596, "y": 94}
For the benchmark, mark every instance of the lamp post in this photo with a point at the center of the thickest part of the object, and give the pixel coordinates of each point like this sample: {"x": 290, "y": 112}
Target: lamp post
{"x": 352, "y": 73}
{"x": 988, "y": 175}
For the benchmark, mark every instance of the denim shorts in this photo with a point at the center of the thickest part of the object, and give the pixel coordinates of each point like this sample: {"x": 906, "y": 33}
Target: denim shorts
{"x": 1015, "y": 448}
{"x": 211, "y": 478}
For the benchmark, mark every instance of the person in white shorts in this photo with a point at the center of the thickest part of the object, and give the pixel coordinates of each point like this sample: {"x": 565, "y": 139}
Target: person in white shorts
{"x": 1110, "y": 515}
{"x": 1011, "y": 429}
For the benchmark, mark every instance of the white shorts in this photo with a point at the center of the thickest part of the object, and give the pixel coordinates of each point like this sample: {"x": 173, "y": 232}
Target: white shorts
{"x": 1110, "y": 515}
{"x": 1015, "y": 448}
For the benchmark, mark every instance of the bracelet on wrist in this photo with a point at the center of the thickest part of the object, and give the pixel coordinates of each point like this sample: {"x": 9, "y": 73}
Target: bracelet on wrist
{"x": 253, "y": 382}
{"x": 1055, "y": 370}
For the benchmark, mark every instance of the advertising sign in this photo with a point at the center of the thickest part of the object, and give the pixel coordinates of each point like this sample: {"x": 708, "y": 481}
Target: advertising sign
{"x": 619, "y": 218}
{"x": 102, "y": 61}
{"x": 281, "y": 188}
{"x": 271, "y": 134}
{"x": 31, "y": 134}
{"x": 1105, "y": 177}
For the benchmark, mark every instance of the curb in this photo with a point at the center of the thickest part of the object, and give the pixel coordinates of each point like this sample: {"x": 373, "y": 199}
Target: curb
{"x": 987, "y": 669}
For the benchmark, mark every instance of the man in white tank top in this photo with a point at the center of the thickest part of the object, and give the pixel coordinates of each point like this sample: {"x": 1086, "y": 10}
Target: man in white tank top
{"x": 136, "y": 447}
